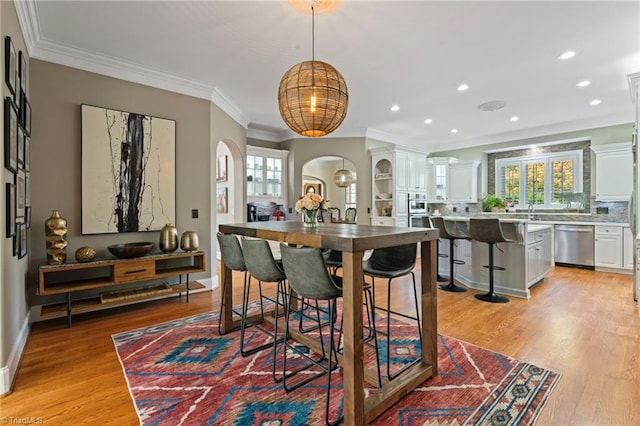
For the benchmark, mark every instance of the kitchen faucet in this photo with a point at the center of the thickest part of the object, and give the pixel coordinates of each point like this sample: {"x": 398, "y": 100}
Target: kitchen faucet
{"x": 530, "y": 211}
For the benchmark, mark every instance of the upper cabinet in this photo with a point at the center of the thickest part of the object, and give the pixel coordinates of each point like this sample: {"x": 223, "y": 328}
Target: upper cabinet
{"x": 266, "y": 175}
{"x": 463, "y": 182}
{"x": 614, "y": 172}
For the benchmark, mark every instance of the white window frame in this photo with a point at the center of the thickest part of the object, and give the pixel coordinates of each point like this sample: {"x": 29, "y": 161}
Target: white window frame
{"x": 547, "y": 159}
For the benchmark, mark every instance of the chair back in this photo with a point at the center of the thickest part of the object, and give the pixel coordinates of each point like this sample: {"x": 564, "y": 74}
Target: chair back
{"x": 438, "y": 222}
{"x": 259, "y": 260}
{"x": 350, "y": 214}
{"x": 394, "y": 258}
{"x": 307, "y": 273}
{"x": 231, "y": 252}
{"x": 486, "y": 230}
{"x": 335, "y": 214}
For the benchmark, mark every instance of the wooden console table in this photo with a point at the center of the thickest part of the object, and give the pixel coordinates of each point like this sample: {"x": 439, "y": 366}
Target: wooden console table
{"x": 73, "y": 277}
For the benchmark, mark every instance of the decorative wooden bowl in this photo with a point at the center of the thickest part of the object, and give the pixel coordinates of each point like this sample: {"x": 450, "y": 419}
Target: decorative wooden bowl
{"x": 129, "y": 250}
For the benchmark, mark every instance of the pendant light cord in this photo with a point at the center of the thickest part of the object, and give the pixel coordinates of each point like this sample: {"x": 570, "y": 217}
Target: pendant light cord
{"x": 313, "y": 34}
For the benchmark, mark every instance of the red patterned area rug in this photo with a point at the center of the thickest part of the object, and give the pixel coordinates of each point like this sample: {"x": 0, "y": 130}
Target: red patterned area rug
{"x": 184, "y": 373}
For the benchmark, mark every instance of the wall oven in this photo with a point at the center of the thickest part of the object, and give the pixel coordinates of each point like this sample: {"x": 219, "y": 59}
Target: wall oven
{"x": 417, "y": 203}
{"x": 418, "y": 210}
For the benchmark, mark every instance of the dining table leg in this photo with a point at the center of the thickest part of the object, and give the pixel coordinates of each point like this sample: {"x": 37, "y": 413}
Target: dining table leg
{"x": 429, "y": 299}
{"x": 353, "y": 365}
{"x": 226, "y": 295}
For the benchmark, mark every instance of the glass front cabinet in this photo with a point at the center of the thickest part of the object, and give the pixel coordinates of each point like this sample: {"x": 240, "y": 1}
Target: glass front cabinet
{"x": 266, "y": 174}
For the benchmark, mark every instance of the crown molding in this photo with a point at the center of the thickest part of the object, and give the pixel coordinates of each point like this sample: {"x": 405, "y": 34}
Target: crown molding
{"x": 222, "y": 102}
{"x": 267, "y": 135}
{"x": 29, "y": 23}
{"x": 61, "y": 54}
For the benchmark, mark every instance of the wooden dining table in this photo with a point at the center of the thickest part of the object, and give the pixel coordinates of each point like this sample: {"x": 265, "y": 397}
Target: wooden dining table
{"x": 353, "y": 241}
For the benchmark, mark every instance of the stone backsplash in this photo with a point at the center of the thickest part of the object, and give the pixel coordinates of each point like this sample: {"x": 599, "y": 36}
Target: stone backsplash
{"x": 612, "y": 212}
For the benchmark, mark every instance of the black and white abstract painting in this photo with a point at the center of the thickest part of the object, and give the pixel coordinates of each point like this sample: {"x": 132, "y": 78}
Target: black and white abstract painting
{"x": 128, "y": 171}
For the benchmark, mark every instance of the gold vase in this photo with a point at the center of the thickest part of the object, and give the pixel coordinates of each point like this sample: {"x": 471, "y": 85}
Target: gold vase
{"x": 55, "y": 229}
{"x": 168, "y": 238}
{"x": 189, "y": 241}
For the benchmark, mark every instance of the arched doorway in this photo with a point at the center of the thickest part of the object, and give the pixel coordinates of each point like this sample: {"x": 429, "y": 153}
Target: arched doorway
{"x": 318, "y": 176}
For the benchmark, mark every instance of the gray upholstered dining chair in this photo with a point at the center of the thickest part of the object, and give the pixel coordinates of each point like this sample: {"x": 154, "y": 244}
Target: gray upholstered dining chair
{"x": 263, "y": 267}
{"x": 390, "y": 263}
{"x": 233, "y": 258}
{"x": 310, "y": 279}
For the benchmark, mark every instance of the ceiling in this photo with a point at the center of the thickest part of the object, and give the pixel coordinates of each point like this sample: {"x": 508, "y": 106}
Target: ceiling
{"x": 414, "y": 54}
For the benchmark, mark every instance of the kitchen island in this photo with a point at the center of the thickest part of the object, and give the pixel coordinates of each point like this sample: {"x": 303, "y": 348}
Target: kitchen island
{"x": 526, "y": 261}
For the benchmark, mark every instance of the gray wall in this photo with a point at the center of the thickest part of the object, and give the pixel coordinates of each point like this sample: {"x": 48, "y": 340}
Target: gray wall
{"x": 57, "y": 93}
{"x": 13, "y": 294}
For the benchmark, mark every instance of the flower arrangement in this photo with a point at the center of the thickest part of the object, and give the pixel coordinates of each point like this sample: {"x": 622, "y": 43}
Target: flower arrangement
{"x": 310, "y": 202}
{"x": 309, "y": 206}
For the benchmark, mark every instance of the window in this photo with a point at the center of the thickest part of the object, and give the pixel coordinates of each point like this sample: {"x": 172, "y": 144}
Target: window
{"x": 546, "y": 181}
{"x": 350, "y": 195}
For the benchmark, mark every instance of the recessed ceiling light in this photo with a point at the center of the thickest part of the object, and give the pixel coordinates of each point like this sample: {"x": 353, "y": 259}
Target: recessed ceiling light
{"x": 567, "y": 55}
{"x": 454, "y": 130}
{"x": 595, "y": 102}
{"x": 583, "y": 83}
{"x": 395, "y": 108}
{"x": 428, "y": 121}
{"x": 463, "y": 87}
{"x": 515, "y": 118}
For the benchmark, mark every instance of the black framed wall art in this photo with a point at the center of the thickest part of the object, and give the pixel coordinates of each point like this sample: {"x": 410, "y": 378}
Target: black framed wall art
{"x": 22, "y": 72}
{"x": 128, "y": 171}
{"x": 10, "y": 214}
{"x": 10, "y": 135}
{"x": 23, "y": 240}
{"x": 10, "y": 65}
{"x": 20, "y": 182}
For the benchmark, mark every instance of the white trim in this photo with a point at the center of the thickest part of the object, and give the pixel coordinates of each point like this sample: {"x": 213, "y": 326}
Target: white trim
{"x": 29, "y": 23}
{"x": 8, "y": 372}
{"x": 218, "y": 98}
{"x": 523, "y": 294}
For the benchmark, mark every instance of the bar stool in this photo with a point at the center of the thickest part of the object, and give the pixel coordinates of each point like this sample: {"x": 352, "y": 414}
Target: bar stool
{"x": 452, "y": 235}
{"x": 232, "y": 256}
{"x": 489, "y": 231}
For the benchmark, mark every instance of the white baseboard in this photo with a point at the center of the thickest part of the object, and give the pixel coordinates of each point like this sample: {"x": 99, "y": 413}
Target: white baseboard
{"x": 8, "y": 372}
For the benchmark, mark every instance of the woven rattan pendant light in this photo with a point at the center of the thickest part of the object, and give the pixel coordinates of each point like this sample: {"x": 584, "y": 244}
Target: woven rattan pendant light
{"x": 313, "y": 96}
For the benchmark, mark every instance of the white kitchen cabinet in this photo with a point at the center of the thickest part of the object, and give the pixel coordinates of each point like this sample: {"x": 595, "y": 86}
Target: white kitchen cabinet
{"x": 401, "y": 162}
{"x": 438, "y": 180}
{"x": 539, "y": 254}
{"x": 608, "y": 246}
{"x": 627, "y": 248}
{"x": 395, "y": 174}
{"x": 417, "y": 173}
{"x": 463, "y": 182}
{"x": 266, "y": 175}
{"x": 614, "y": 172}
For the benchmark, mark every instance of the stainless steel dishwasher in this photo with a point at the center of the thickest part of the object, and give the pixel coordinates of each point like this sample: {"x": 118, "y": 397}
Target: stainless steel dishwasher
{"x": 574, "y": 245}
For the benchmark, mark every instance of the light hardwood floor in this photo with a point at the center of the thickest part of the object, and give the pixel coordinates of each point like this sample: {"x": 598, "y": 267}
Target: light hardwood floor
{"x": 582, "y": 324}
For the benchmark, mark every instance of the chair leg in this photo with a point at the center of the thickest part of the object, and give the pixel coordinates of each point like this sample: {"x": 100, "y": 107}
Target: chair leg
{"x": 452, "y": 285}
{"x": 491, "y": 296}
{"x": 243, "y": 322}
{"x": 281, "y": 292}
{"x": 417, "y": 318}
